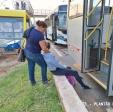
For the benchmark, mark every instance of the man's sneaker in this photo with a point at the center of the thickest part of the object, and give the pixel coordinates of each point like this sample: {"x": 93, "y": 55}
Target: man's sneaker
{"x": 47, "y": 82}
{"x": 87, "y": 87}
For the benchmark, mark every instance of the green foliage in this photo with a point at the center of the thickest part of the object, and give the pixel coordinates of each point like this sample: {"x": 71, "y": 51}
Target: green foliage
{"x": 17, "y": 94}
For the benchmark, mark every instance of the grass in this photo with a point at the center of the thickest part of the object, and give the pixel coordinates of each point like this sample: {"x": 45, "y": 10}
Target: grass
{"x": 17, "y": 94}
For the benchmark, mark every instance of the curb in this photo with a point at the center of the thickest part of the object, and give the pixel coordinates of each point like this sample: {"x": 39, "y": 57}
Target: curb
{"x": 70, "y": 100}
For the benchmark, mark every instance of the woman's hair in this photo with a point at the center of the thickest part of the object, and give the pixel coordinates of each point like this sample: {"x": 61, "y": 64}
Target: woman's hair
{"x": 48, "y": 45}
{"x": 41, "y": 23}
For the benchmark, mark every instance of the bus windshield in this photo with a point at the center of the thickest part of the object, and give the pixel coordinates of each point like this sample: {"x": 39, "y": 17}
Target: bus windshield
{"x": 62, "y": 20}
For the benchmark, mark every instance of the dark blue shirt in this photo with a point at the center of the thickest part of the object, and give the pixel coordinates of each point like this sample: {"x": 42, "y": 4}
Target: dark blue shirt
{"x": 33, "y": 41}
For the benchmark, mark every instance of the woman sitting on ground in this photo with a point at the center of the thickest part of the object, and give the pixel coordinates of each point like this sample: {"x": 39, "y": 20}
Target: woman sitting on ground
{"x": 58, "y": 69}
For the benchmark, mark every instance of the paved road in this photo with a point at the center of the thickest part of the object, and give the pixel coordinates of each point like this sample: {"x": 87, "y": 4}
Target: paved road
{"x": 94, "y": 98}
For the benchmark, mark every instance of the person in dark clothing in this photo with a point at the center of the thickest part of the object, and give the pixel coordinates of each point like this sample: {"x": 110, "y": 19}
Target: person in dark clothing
{"x": 58, "y": 69}
{"x": 36, "y": 43}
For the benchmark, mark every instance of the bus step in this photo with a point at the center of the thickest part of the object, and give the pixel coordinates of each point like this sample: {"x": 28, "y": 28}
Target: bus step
{"x": 100, "y": 78}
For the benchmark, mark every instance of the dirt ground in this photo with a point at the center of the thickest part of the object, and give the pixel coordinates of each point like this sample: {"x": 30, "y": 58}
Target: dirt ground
{"x": 8, "y": 61}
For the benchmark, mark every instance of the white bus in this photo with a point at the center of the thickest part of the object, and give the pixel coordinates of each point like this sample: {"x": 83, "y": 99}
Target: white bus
{"x": 57, "y": 25}
{"x": 90, "y": 24}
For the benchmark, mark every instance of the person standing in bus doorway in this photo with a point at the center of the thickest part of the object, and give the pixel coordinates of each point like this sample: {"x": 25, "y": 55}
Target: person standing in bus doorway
{"x": 58, "y": 69}
{"x": 36, "y": 43}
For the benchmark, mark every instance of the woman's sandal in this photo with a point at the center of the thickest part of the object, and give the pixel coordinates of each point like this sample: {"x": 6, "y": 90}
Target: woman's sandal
{"x": 47, "y": 82}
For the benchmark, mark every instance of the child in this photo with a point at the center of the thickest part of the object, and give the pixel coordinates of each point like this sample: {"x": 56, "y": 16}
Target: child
{"x": 58, "y": 69}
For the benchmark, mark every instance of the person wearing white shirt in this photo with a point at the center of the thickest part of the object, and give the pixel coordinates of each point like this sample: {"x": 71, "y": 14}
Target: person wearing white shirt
{"x": 58, "y": 69}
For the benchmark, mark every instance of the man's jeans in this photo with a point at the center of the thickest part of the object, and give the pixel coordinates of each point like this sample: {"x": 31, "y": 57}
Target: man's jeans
{"x": 33, "y": 58}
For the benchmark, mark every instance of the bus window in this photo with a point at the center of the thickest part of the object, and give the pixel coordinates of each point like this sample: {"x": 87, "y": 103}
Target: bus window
{"x": 18, "y": 26}
{"x": 49, "y": 22}
{"x": 75, "y": 8}
{"x": 95, "y": 17}
{"x": 63, "y": 8}
{"x": 108, "y": 7}
{"x": 107, "y": 3}
{"x": 11, "y": 27}
{"x": 62, "y": 20}
{"x": 80, "y": 8}
{"x": 92, "y": 54}
{"x": 72, "y": 8}
{"x": 111, "y": 3}
{"x": 6, "y": 26}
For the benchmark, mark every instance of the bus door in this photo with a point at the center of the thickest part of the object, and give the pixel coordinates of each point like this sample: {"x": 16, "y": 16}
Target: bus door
{"x": 110, "y": 72}
{"x": 92, "y": 32}
{"x": 110, "y": 78}
{"x": 54, "y": 35}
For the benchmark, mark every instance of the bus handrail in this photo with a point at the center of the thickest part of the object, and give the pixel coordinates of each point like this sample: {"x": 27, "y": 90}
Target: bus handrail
{"x": 93, "y": 9}
{"x": 94, "y": 29}
{"x": 107, "y": 34}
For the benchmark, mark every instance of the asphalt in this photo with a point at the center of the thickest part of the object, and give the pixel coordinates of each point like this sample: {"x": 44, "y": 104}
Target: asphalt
{"x": 96, "y": 99}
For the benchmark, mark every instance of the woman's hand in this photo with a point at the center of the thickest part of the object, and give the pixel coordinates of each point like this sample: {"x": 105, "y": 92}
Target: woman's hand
{"x": 43, "y": 46}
